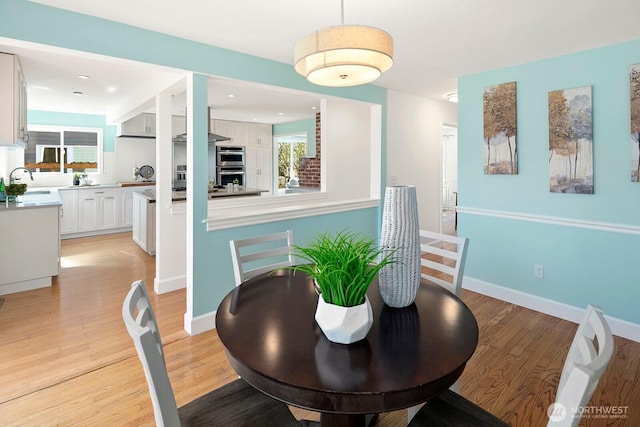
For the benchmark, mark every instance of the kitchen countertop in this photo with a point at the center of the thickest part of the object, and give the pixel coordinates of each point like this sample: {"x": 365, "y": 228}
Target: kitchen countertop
{"x": 177, "y": 196}
{"x": 31, "y": 200}
{"x": 115, "y": 184}
{"x": 135, "y": 183}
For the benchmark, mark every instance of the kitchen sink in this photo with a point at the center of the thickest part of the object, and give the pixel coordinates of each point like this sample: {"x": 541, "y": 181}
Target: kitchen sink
{"x": 37, "y": 192}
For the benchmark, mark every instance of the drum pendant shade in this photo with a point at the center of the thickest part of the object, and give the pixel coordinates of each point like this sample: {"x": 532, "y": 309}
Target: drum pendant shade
{"x": 344, "y": 55}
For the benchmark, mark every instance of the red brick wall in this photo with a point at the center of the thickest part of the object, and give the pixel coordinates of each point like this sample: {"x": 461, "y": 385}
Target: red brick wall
{"x": 309, "y": 169}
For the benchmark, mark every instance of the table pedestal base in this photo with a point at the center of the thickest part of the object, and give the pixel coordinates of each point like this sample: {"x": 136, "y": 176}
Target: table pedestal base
{"x": 342, "y": 420}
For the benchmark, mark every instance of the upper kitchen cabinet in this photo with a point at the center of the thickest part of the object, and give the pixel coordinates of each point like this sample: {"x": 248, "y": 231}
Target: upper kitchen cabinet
{"x": 243, "y": 133}
{"x": 141, "y": 126}
{"x": 178, "y": 125}
{"x": 13, "y": 101}
{"x": 224, "y": 128}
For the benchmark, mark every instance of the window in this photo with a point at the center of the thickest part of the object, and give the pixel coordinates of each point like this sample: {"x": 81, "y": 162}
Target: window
{"x": 290, "y": 150}
{"x": 55, "y": 149}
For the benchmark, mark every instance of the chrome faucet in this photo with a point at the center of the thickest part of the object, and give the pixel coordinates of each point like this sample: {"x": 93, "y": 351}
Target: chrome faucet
{"x": 11, "y": 179}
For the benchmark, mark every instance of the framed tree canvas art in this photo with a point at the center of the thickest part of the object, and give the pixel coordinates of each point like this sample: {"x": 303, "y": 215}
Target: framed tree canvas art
{"x": 499, "y": 114}
{"x": 634, "y": 91}
{"x": 571, "y": 141}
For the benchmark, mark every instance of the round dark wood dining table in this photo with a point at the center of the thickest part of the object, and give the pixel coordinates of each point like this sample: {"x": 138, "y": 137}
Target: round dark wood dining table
{"x": 410, "y": 355}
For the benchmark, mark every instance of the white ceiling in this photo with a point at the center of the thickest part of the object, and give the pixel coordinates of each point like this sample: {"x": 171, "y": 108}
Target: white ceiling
{"x": 435, "y": 42}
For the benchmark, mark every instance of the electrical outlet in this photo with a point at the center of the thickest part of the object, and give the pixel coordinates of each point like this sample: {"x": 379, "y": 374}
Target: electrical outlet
{"x": 538, "y": 271}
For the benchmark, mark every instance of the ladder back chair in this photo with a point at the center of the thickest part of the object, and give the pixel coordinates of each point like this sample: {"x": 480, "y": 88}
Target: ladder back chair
{"x": 584, "y": 365}
{"x": 257, "y": 255}
{"x": 443, "y": 255}
{"x": 234, "y": 404}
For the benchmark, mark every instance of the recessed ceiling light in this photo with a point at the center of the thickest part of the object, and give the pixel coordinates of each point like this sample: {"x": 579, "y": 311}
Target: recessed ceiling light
{"x": 314, "y": 108}
{"x": 231, "y": 95}
{"x": 452, "y": 97}
{"x": 112, "y": 89}
{"x": 281, "y": 114}
{"x": 77, "y": 93}
{"x": 83, "y": 77}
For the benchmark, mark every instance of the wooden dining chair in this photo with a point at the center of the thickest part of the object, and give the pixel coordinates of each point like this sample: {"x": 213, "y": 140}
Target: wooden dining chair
{"x": 582, "y": 370}
{"x": 257, "y": 255}
{"x": 442, "y": 259}
{"x": 234, "y": 404}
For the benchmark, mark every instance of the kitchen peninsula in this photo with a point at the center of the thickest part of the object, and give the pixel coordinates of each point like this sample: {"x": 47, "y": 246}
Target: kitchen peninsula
{"x": 144, "y": 211}
{"x": 221, "y": 192}
{"x": 30, "y": 244}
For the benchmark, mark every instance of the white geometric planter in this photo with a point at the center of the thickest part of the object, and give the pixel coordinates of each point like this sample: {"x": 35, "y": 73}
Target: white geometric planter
{"x": 344, "y": 325}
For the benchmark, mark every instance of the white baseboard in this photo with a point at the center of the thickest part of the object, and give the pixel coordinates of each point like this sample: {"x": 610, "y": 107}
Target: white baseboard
{"x": 200, "y": 324}
{"x": 169, "y": 285}
{"x": 619, "y": 327}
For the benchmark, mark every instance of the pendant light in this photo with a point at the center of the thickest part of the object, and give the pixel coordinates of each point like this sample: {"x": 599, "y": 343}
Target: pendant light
{"x": 344, "y": 55}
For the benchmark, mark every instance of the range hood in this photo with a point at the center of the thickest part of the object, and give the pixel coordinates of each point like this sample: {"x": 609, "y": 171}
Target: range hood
{"x": 211, "y": 137}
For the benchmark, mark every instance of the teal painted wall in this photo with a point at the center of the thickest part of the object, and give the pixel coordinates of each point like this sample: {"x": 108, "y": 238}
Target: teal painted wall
{"x": 580, "y": 265}
{"x": 32, "y": 22}
{"x": 308, "y": 126}
{"x": 52, "y": 118}
{"x": 218, "y": 271}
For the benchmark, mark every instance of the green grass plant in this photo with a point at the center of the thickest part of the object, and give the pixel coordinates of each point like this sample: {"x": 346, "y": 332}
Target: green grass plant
{"x": 343, "y": 266}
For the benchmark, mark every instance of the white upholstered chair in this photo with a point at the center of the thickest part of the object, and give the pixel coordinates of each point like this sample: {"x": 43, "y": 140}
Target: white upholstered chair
{"x": 234, "y": 404}
{"x": 257, "y": 255}
{"x": 582, "y": 370}
{"x": 442, "y": 259}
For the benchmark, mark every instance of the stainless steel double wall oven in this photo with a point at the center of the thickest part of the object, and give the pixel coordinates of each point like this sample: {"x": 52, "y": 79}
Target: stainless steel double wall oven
{"x": 230, "y": 164}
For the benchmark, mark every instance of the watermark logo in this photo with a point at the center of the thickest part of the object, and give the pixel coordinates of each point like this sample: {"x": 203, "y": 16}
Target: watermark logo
{"x": 558, "y": 412}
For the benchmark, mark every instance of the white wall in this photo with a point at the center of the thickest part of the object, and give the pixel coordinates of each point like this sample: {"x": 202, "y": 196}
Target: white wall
{"x": 131, "y": 152}
{"x": 10, "y": 158}
{"x": 414, "y": 149}
{"x": 347, "y": 150}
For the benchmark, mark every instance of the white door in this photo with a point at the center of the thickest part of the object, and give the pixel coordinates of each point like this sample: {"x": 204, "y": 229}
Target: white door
{"x": 449, "y": 178}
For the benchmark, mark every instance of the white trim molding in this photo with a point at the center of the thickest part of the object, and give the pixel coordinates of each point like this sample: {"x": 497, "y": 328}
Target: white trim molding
{"x": 619, "y": 327}
{"x": 555, "y": 220}
{"x": 237, "y": 215}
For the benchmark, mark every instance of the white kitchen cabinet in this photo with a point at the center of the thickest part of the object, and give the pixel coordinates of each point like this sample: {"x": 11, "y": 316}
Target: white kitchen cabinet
{"x": 98, "y": 209}
{"x": 126, "y": 203}
{"x": 13, "y": 101}
{"x": 237, "y": 131}
{"x": 264, "y": 134}
{"x": 30, "y": 248}
{"x": 144, "y": 223}
{"x": 258, "y": 169}
{"x": 178, "y": 125}
{"x": 141, "y": 126}
{"x": 259, "y": 156}
{"x": 68, "y": 211}
{"x": 223, "y": 127}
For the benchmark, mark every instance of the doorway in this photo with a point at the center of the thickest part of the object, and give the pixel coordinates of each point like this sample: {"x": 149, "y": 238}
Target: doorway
{"x": 449, "y": 179}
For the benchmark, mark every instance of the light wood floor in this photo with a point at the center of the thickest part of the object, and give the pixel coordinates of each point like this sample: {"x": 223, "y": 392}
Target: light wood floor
{"x": 66, "y": 358}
